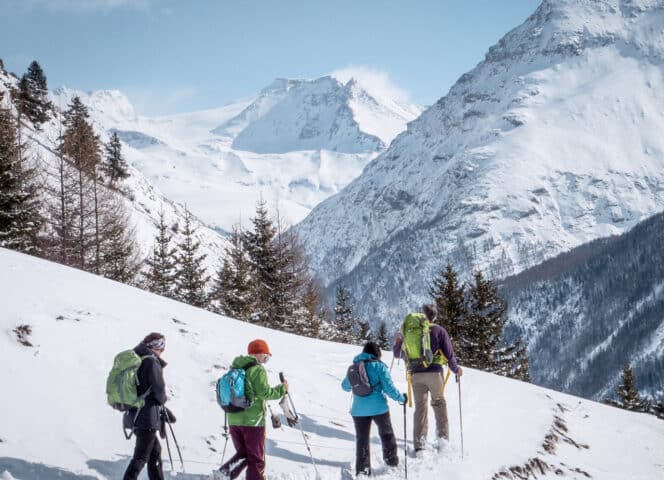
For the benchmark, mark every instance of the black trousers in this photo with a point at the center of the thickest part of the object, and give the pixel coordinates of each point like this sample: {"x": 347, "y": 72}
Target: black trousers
{"x": 363, "y": 434}
{"x": 147, "y": 450}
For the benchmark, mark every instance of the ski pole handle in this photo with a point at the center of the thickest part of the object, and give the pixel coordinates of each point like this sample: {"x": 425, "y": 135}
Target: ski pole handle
{"x": 281, "y": 377}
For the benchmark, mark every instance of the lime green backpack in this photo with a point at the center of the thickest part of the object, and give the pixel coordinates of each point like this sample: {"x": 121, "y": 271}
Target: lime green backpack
{"x": 122, "y": 381}
{"x": 416, "y": 346}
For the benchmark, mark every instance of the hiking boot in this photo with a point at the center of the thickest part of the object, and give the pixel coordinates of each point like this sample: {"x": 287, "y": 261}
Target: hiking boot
{"x": 220, "y": 475}
{"x": 441, "y": 444}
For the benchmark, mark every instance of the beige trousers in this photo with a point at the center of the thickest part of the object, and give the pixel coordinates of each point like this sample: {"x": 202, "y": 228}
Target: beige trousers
{"x": 423, "y": 384}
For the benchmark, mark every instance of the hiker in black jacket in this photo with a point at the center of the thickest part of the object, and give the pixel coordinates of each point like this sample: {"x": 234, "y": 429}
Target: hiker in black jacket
{"x": 148, "y": 421}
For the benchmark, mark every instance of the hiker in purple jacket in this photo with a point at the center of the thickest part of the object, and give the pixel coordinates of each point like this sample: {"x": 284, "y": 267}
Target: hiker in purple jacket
{"x": 429, "y": 379}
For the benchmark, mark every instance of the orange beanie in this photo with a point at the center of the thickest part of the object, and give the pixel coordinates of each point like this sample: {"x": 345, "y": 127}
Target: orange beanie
{"x": 258, "y": 346}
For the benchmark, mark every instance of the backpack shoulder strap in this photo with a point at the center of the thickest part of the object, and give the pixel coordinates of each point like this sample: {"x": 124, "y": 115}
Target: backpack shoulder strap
{"x": 253, "y": 363}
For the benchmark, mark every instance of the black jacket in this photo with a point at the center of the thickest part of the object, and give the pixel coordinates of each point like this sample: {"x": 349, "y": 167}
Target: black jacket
{"x": 150, "y": 375}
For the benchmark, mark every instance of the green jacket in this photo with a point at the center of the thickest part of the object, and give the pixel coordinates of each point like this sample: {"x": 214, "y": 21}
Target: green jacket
{"x": 258, "y": 388}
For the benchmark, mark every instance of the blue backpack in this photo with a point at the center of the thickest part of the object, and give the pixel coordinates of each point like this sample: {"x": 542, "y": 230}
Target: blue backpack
{"x": 231, "y": 395}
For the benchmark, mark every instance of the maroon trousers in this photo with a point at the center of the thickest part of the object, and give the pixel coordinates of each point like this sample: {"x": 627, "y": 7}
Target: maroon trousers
{"x": 249, "y": 445}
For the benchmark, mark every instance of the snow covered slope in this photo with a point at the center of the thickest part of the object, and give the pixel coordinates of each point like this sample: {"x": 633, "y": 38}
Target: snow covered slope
{"x": 296, "y": 143}
{"x": 553, "y": 140}
{"x": 143, "y": 200}
{"x": 54, "y": 422}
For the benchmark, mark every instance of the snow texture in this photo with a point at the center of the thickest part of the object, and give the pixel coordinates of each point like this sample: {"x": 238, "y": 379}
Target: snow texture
{"x": 56, "y": 424}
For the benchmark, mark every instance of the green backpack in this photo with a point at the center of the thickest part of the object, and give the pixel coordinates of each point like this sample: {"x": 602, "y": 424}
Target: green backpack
{"x": 122, "y": 381}
{"x": 416, "y": 346}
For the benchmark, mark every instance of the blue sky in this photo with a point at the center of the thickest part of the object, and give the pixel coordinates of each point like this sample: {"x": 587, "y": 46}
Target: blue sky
{"x": 173, "y": 56}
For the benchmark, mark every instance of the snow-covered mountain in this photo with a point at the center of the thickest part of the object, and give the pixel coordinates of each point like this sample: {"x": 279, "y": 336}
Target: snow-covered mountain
{"x": 143, "y": 200}
{"x": 296, "y": 143}
{"x": 319, "y": 114}
{"x": 588, "y": 312}
{"x": 55, "y": 423}
{"x": 554, "y": 139}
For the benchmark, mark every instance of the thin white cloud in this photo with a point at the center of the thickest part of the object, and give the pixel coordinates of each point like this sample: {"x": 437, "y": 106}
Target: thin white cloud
{"x": 161, "y": 102}
{"x": 373, "y": 80}
{"x": 84, "y": 5}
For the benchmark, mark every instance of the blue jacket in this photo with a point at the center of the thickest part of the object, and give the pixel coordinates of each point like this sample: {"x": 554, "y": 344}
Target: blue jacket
{"x": 375, "y": 403}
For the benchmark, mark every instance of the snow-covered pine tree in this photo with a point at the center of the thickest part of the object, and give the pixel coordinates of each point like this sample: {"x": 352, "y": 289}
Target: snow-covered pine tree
{"x": 232, "y": 292}
{"x": 115, "y": 166}
{"x": 344, "y": 320}
{"x": 449, "y": 298}
{"x": 381, "y": 337}
{"x": 190, "y": 275}
{"x": 160, "y": 274}
{"x": 20, "y": 215}
{"x": 628, "y": 395}
{"x": 260, "y": 247}
{"x": 33, "y": 95}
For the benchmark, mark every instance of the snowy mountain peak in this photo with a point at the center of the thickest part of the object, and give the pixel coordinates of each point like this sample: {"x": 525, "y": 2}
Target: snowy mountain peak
{"x": 551, "y": 141}
{"x": 320, "y": 114}
{"x": 569, "y": 27}
{"x": 103, "y": 105}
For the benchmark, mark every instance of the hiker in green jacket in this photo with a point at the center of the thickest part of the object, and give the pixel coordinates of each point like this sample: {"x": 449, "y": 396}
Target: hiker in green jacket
{"x": 247, "y": 427}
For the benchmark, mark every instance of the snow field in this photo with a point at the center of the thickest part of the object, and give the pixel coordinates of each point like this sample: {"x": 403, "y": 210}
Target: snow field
{"x": 79, "y": 322}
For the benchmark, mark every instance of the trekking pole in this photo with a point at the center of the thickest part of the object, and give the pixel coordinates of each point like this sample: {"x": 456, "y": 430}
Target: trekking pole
{"x": 460, "y": 416}
{"x": 223, "y": 454}
{"x": 405, "y": 443}
{"x": 306, "y": 442}
{"x": 175, "y": 440}
{"x": 168, "y": 448}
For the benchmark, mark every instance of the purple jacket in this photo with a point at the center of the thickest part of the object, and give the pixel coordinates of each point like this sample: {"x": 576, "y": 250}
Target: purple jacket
{"x": 440, "y": 340}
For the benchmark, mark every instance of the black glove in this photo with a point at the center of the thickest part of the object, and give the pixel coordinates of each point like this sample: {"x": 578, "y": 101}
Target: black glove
{"x": 405, "y": 399}
{"x": 167, "y": 415}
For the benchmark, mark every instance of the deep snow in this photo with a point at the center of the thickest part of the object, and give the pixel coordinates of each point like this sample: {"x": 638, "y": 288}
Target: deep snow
{"x": 53, "y": 410}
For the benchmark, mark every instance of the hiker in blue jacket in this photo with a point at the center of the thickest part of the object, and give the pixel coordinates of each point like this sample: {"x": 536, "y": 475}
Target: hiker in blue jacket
{"x": 373, "y": 407}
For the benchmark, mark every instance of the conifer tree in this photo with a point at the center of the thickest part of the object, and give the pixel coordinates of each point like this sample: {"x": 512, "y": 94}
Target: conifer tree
{"x": 190, "y": 278}
{"x": 81, "y": 147}
{"x": 313, "y": 324}
{"x": 160, "y": 274}
{"x": 449, "y": 298}
{"x": 33, "y": 95}
{"x": 483, "y": 345}
{"x": 263, "y": 263}
{"x": 381, "y": 337}
{"x": 363, "y": 332}
{"x": 233, "y": 288}
{"x": 484, "y": 324}
{"x": 20, "y": 216}
{"x": 291, "y": 281}
{"x": 628, "y": 395}
{"x": 343, "y": 317}
{"x": 119, "y": 251}
{"x": 115, "y": 166}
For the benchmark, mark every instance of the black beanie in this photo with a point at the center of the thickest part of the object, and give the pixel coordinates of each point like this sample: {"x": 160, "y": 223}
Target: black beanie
{"x": 430, "y": 311}
{"x": 372, "y": 348}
